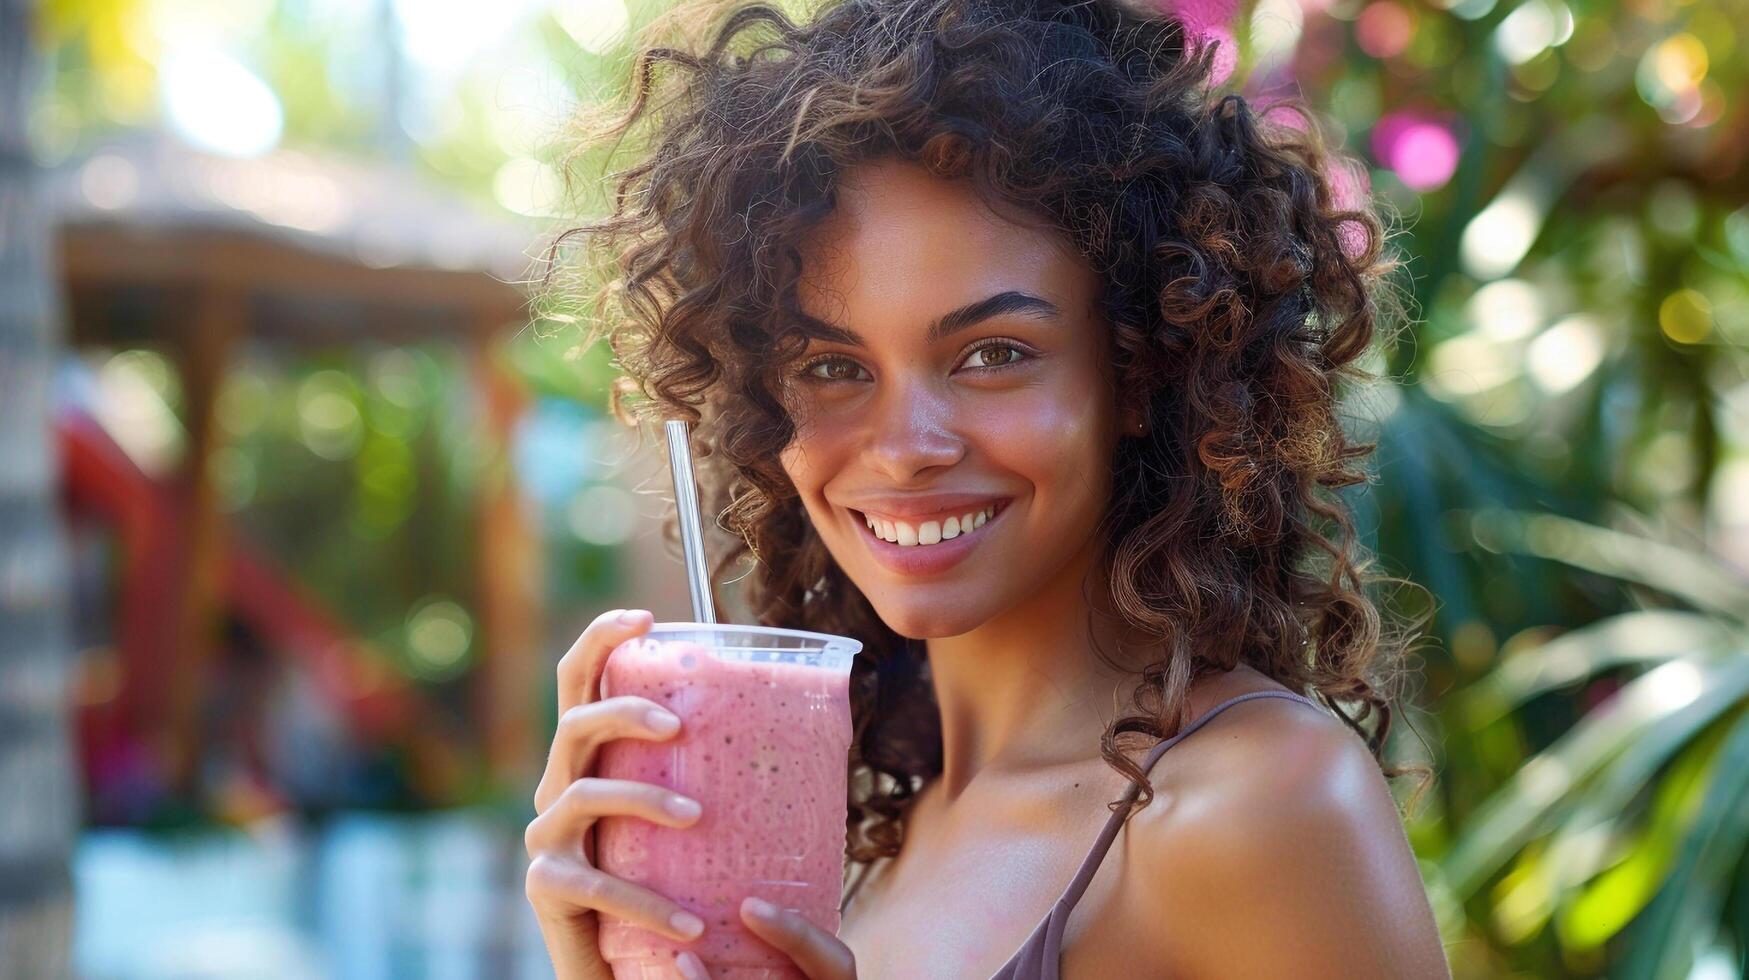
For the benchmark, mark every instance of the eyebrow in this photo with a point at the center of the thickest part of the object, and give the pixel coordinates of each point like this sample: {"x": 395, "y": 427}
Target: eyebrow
{"x": 971, "y": 314}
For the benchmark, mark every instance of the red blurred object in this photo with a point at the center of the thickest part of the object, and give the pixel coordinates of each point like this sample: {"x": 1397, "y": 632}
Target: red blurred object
{"x": 100, "y": 482}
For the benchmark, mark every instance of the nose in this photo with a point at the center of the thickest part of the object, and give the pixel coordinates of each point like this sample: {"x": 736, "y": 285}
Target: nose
{"x": 910, "y": 434}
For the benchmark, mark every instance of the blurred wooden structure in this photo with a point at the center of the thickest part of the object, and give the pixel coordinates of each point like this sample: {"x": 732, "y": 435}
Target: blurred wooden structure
{"x": 102, "y": 483}
{"x": 167, "y": 247}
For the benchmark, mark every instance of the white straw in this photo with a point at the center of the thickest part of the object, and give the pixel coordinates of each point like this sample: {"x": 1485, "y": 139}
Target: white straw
{"x": 691, "y": 532}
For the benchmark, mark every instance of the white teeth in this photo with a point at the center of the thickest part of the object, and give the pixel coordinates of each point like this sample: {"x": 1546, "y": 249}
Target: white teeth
{"x": 929, "y": 532}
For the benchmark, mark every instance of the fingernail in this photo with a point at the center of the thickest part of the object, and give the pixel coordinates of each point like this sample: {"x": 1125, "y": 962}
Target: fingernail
{"x": 662, "y": 722}
{"x": 684, "y": 808}
{"x": 630, "y": 616}
{"x": 761, "y": 908}
{"x": 688, "y": 965}
{"x": 687, "y": 924}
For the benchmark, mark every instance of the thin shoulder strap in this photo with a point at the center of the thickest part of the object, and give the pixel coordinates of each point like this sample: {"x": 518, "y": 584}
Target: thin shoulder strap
{"x": 1090, "y": 864}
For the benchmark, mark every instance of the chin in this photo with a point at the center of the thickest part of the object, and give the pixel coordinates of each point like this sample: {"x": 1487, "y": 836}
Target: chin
{"x": 929, "y": 619}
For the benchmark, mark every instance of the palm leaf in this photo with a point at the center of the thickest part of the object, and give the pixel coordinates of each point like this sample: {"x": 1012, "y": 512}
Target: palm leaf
{"x": 1646, "y": 637}
{"x": 1596, "y": 912}
{"x": 1724, "y": 688}
{"x": 1506, "y": 821}
{"x": 1694, "y": 577}
{"x": 1691, "y": 897}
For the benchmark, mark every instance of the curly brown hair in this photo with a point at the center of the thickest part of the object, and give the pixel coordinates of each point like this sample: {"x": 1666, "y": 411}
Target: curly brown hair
{"x": 1241, "y": 288}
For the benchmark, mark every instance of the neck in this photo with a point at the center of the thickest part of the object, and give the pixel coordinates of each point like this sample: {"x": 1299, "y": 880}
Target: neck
{"x": 1027, "y": 689}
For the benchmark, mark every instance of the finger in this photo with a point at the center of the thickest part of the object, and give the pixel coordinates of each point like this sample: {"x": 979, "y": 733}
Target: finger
{"x": 561, "y": 827}
{"x": 582, "y": 730}
{"x": 580, "y": 667}
{"x": 691, "y": 967}
{"x": 557, "y": 886}
{"x": 817, "y": 953}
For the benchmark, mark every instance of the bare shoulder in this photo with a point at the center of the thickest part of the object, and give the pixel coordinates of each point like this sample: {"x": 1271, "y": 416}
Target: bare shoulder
{"x": 1276, "y": 849}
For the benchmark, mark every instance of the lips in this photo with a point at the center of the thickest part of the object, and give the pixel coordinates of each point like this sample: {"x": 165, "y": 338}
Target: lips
{"x": 920, "y": 545}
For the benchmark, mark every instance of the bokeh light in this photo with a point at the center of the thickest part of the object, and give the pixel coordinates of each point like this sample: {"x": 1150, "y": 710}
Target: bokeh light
{"x": 529, "y": 187}
{"x": 1276, "y": 26}
{"x": 139, "y": 396}
{"x": 1566, "y": 354}
{"x": 596, "y": 25}
{"x": 1686, "y": 316}
{"x": 1506, "y": 309}
{"x": 1384, "y": 29}
{"x": 328, "y": 418}
{"x": 602, "y": 515}
{"x": 1532, "y": 28}
{"x": 1201, "y": 15}
{"x": 439, "y": 638}
{"x": 1669, "y": 76}
{"x": 1497, "y": 238}
{"x": 1421, "y": 151}
{"x": 219, "y": 105}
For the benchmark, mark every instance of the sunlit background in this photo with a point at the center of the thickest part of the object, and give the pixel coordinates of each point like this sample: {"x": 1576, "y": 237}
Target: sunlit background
{"x": 298, "y": 508}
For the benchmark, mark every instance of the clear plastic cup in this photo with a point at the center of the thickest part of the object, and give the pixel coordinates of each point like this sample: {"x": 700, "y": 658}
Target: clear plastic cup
{"x": 764, "y": 747}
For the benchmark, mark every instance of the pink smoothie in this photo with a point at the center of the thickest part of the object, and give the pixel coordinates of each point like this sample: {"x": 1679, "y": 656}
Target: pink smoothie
{"x": 763, "y": 747}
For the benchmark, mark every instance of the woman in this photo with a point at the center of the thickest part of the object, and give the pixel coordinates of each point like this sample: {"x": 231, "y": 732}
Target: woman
{"x": 915, "y": 260}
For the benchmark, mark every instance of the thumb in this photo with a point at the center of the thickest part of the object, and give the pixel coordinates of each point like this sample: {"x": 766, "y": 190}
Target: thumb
{"x": 691, "y": 967}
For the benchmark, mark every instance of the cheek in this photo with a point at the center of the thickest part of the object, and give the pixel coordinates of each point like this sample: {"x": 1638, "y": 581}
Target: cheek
{"x": 1061, "y": 442}
{"x": 795, "y": 460}
{"x": 819, "y": 448}
{"x": 806, "y": 476}
{"x": 808, "y": 462}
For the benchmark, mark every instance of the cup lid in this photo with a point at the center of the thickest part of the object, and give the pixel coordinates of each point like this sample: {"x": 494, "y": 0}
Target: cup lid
{"x": 749, "y": 637}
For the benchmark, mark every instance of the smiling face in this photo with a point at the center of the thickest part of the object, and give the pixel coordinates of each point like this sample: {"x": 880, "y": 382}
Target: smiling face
{"x": 958, "y": 367}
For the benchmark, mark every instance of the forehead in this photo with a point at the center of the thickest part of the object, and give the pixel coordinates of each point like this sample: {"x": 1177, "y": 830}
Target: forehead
{"x": 902, "y": 246}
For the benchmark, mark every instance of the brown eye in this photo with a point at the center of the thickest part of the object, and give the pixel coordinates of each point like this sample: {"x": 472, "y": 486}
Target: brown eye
{"x": 835, "y": 369}
{"x": 993, "y": 355}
